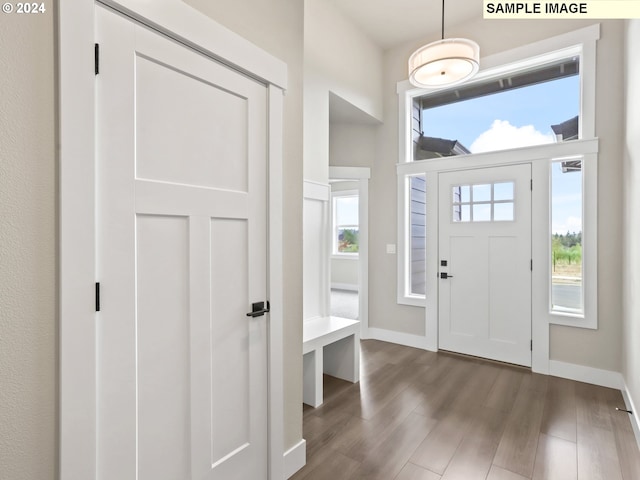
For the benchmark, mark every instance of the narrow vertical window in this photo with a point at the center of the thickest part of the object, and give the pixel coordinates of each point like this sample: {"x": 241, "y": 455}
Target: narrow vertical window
{"x": 345, "y": 225}
{"x": 417, "y": 235}
{"x": 566, "y": 237}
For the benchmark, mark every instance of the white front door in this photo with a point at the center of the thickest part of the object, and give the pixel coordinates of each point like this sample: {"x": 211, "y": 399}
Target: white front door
{"x": 181, "y": 232}
{"x": 485, "y": 263}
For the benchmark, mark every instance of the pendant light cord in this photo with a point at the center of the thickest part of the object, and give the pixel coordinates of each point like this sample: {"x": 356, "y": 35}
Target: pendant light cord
{"x": 442, "y": 19}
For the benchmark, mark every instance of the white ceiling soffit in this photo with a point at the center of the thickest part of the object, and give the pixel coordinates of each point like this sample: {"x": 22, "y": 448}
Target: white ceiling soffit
{"x": 342, "y": 111}
{"x": 390, "y": 23}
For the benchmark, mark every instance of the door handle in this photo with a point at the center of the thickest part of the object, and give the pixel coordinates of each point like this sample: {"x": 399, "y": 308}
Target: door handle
{"x": 445, "y": 275}
{"x": 258, "y": 309}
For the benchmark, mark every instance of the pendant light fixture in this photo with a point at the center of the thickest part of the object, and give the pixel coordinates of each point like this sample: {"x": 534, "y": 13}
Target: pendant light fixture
{"x": 445, "y": 62}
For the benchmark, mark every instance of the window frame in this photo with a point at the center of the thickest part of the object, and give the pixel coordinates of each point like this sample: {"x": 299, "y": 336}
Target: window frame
{"x": 582, "y": 42}
{"x": 334, "y": 227}
{"x": 404, "y": 294}
{"x": 588, "y": 318}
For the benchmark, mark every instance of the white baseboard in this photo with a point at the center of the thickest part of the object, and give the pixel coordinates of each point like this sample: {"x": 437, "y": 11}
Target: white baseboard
{"x": 406, "y": 339}
{"x": 635, "y": 422}
{"x": 295, "y": 458}
{"x": 580, "y": 373}
{"x": 352, "y": 287}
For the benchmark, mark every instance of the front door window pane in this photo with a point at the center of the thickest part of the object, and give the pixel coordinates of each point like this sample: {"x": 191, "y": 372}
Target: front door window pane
{"x": 503, "y": 212}
{"x": 485, "y": 202}
{"x": 503, "y": 191}
{"x": 482, "y": 212}
{"x": 482, "y": 193}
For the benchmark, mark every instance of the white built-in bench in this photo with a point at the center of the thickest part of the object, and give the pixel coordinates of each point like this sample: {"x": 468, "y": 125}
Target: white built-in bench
{"x": 330, "y": 345}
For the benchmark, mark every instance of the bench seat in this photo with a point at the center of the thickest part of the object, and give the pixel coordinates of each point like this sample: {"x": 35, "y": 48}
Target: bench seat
{"x": 330, "y": 345}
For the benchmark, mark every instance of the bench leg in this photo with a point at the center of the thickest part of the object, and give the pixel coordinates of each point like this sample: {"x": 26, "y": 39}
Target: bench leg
{"x": 342, "y": 358}
{"x": 312, "y": 378}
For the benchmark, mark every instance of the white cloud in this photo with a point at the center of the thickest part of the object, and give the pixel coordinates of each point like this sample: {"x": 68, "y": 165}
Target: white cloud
{"x": 502, "y": 135}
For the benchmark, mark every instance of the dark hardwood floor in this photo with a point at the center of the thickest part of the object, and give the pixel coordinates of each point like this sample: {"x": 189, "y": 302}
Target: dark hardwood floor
{"x": 419, "y": 415}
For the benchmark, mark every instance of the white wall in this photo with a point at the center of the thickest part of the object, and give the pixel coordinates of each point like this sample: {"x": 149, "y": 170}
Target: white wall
{"x": 277, "y": 27}
{"x": 344, "y": 273}
{"x": 631, "y": 202}
{"x": 28, "y": 307}
{"x": 352, "y": 144}
{"x": 338, "y": 58}
{"x": 599, "y": 348}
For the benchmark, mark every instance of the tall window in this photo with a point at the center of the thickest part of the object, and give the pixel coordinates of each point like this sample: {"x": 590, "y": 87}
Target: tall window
{"x": 417, "y": 236}
{"x": 566, "y": 237}
{"x": 345, "y": 224}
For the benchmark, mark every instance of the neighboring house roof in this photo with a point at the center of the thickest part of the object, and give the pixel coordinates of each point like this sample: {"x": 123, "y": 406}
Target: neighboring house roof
{"x": 432, "y": 147}
{"x": 572, "y": 166}
{"x": 567, "y": 130}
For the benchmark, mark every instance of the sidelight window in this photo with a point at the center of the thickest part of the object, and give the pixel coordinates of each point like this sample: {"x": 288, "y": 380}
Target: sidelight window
{"x": 566, "y": 237}
{"x": 416, "y": 283}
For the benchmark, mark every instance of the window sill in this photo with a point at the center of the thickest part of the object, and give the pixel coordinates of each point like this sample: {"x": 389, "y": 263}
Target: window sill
{"x": 412, "y": 301}
{"x": 568, "y": 319}
{"x": 345, "y": 256}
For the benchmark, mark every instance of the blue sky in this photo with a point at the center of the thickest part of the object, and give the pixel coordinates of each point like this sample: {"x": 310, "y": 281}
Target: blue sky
{"x": 518, "y": 117}
{"x": 566, "y": 205}
{"x": 539, "y": 105}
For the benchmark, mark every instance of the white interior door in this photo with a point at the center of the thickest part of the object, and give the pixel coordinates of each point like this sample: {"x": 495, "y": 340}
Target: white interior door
{"x": 485, "y": 263}
{"x": 181, "y": 229}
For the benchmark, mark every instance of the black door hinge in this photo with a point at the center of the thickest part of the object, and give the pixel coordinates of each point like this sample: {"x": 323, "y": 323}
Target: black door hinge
{"x": 531, "y": 265}
{"x": 97, "y": 296}
{"x": 96, "y": 54}
{"x": 531, "y": 184}
{"x": 531, "y": 345}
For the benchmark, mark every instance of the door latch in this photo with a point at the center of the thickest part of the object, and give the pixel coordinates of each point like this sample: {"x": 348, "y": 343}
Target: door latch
{"x": 445, "y": 275}
{"x": 258, "y": 309}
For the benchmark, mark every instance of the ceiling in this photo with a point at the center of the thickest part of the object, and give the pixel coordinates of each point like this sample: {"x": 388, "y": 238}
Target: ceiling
{"x": 393, "y": 22}
{"x": 341, "y": 111}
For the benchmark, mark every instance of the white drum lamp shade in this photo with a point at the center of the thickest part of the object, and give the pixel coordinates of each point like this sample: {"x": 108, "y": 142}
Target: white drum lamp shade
{"x": 443, "y": 63}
